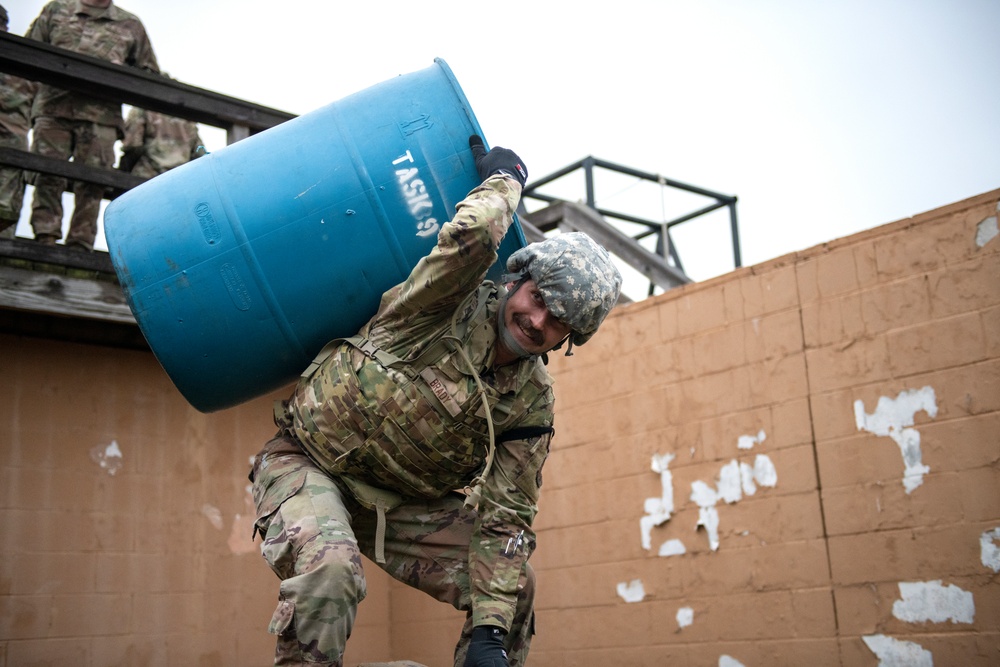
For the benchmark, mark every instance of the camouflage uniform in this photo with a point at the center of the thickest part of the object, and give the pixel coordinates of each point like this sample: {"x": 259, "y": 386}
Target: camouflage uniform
{"x": 158, "y": 142}
{"x": 356, "y": 420}
{"x": 16, "y": 95}
{"x": 71, "y": 124}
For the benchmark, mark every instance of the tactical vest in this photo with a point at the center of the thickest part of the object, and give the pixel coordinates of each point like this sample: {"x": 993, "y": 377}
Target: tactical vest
{"x": 419, "y": 427}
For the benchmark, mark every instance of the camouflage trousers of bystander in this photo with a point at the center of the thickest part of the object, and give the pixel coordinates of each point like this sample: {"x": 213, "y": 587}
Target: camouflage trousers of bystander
{"x": 87, "y": 143}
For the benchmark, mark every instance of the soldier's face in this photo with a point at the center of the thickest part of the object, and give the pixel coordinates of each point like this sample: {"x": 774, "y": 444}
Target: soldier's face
{"x": 530, "y": 322}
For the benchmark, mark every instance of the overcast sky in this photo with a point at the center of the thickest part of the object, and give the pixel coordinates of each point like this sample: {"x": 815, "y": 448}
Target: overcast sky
{"x": 825, "y": 117}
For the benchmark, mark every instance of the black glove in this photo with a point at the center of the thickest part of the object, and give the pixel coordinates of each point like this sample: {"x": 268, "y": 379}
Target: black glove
{"x": 497, "y": 161}
{"x": 486, "y": 647}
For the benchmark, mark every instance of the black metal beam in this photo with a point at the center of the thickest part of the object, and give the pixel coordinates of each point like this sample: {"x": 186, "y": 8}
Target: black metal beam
{"x": 589, "y": 163}
{"x": 64, "y": 69}
{"x": 645, "y": 175}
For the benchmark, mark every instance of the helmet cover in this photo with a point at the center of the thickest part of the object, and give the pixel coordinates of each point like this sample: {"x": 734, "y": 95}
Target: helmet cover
{"x": 576, "y": 277}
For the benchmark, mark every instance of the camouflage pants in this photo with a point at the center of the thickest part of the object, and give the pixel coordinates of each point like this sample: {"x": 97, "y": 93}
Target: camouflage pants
{"x": 11, "y": 185}
{"x": 314, "y": 534}
{"x": 87, "y": 143}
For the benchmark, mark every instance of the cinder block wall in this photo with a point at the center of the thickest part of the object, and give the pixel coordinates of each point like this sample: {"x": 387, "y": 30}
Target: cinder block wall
{"x": 777, "y": 401}
{"x": 126, "y": 518}
{"x": 804, "y": 376}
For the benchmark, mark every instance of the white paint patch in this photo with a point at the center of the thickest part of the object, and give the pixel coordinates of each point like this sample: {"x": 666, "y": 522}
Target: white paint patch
{"x": 735, "y": 479}
{"x": 703, "y": 495}
{"x": 685, "y": 617}
{"x": 895, "y": 653}
{"x": 213, "y": 514}
{"x": 109, "y": 457}
{"x": 764, "y": 472}
{"x": 631, "y": 591}
{"x": 709, "y": 518}
{"x": 672, "y": 548}
{"x": 930, "y": 601}
{"x": 729, "y": 661}
{"x": 658, "y": 510}
{"x": 892, "y": 418}
{"x": 748, "y": 441}
{"x": 986, "y": 231}
{"x": 989, "y": 549}
{"x": 730, "y": 485}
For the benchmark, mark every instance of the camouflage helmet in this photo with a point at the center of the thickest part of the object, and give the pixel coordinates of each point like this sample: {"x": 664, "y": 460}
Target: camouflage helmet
{"x": 575, "y": 276}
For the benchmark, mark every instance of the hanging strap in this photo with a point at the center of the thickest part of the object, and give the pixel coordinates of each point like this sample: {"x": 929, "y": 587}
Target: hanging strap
{"x": 475, "y": 489}
{"x": 380, "y": 531}
{"x": 378, "y": 499}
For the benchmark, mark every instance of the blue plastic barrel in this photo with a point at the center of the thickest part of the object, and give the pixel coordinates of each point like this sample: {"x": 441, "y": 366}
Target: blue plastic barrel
{"x": 242, "y": 264}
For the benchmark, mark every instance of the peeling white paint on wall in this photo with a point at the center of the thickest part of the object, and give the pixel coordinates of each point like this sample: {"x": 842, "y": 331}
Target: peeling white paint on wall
{"x": 930, "y": 601}
{"x": 658, "y": 510}
{"x": 672, "y": 548}
{"x": 685, "y": 617}
{"x": 764, "y": 472}
{"x": 895, "y": 653}
{"x": 989, "y": 549}
{"x": 109, "y": 457}
{"x": 987, "y": 230}
{"x": 213, "y": 514}
{"x": 748, "y": 441}
{"x": 735, "y": 480}
{"x": 631, "y": 591}
{"x": 705, "y": 498}
{"x": 746, "y": 479}
{"x": 892, "y": 418}
{"x": 730, "y": 485}
{"x": 729, "y": 661}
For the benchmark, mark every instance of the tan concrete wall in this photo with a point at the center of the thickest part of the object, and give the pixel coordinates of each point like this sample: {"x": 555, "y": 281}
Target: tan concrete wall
{"x": 807, "y": 568}
{"x": 145, "y": 559}
{"x": 126, "y": 518}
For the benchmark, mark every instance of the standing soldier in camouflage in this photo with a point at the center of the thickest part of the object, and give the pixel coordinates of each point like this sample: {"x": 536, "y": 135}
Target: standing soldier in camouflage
{"x": 155, "y": 143}
{"x": 68, "y": 124}
{"x": 444, "y": 389}
{"x": 16, "y": 95}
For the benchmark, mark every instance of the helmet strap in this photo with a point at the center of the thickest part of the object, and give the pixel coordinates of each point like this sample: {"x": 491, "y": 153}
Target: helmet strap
{"x": 569, "y": 350}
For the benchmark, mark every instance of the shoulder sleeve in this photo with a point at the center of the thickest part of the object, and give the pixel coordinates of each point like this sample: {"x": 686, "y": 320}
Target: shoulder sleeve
{"x": 39, "y": 30}
{"x": 142, "y": 54}
{"x": 503, "y": 539}
{"x": 466, "y": 249}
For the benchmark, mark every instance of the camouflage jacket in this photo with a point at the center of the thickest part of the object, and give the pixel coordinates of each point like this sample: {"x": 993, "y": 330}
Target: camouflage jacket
{"x": 164, "y": 141}
{"x": 16, "y": 95}
{"x": 111, "y": 34}
{"x": 356, "y": 417}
